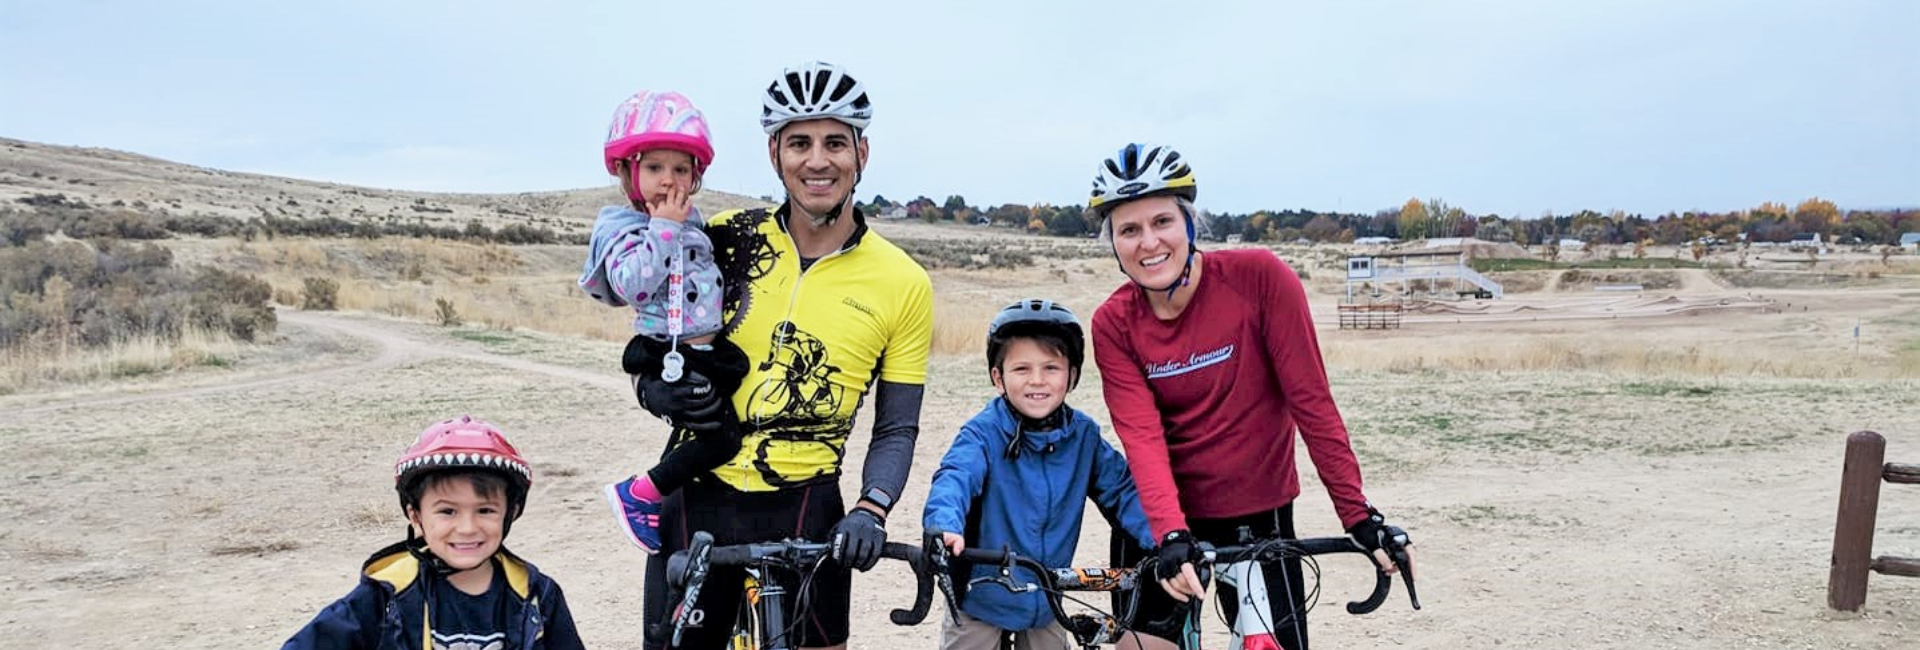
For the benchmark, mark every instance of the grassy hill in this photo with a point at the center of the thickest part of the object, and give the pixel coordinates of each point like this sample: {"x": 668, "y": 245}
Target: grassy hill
{"x": 105, "y": 177}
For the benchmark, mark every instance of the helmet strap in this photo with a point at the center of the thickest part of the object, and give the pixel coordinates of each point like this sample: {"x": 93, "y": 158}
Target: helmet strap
{"x": 1022, "y": 424}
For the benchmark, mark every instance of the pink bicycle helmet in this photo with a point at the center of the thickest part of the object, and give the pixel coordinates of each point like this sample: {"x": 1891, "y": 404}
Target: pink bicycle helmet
{"x": 658, "y": 120}
{"x": 464, "y": 443}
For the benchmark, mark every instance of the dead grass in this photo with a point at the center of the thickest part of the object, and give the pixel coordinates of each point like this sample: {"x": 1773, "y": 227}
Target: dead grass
{"x": 35, "y": 367}
{"x": 960, "y": 326}
{"x": 254, "y": 548}
{"x": 1622, "y": 353}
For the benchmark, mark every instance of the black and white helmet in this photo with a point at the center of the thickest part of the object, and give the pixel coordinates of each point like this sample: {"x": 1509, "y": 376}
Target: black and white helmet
{"x": 1139, "y": 170}
{"x": 1035, "y": 316}
{"x": 814, "y": 90}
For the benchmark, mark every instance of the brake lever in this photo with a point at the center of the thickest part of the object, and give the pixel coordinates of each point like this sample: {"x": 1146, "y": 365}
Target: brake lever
{"x": 1397, "y": 541}
{"x": 1005, "y": 579}
{"x": 940, "y": 562}
{"x": 695, "y": 576}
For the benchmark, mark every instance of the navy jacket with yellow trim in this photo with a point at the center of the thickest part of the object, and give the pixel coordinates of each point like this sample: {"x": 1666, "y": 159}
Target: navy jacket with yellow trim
{"x": 387, "y": 610}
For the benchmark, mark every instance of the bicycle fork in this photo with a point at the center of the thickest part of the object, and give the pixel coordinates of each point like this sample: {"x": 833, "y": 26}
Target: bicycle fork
{"x": 1250, "y": 585}
{"x": 773, "y": 616}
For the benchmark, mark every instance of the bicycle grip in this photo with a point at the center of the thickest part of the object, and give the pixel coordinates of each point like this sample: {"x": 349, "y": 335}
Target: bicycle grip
{"x": 1381, "y": 583}
{"x": 922, "y": 589}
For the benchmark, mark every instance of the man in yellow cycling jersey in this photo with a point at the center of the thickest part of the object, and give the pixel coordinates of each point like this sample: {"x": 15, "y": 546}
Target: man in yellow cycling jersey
{"x": 826, "y": 311}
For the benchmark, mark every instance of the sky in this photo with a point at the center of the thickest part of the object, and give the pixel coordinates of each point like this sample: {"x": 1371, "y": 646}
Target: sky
{"x": 1517, "y": 108}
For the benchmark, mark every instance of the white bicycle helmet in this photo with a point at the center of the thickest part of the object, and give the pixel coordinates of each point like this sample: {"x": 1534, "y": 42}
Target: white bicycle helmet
{"x": 1140, "y": 170}
{"x": 814, "y": 90}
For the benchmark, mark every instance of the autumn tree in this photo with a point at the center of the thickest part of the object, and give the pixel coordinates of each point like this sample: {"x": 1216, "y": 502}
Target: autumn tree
{"x": 1414, "y": 220}
{"x": 1816, "y": 215}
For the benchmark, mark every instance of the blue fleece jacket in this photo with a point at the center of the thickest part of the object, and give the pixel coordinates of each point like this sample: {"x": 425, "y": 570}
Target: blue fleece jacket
{"x": 386, "y": 611}
{"x": 1031, "y": 504}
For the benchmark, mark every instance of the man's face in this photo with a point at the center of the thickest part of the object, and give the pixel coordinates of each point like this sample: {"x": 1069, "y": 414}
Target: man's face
{"x": 819, "y": 161}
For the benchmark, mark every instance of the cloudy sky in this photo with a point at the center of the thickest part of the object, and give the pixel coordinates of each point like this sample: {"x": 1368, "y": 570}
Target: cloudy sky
{"x": 1512, "y": 107}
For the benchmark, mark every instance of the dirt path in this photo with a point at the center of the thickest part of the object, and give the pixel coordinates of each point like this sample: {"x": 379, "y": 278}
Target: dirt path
{"x": 1553, "y": 282}
{"x": 1700, "y": 281}
{"x": 392, "y": 347}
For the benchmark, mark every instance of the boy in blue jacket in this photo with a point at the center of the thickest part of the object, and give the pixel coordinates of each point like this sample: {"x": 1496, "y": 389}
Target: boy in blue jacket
{"x": 1019, "y": 475}
{"x": 452, "y": 583}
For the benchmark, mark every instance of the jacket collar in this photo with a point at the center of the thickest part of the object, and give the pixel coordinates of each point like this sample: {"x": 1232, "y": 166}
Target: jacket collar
{"x": 398, "y": 567}
{"x": 782, "y": 214}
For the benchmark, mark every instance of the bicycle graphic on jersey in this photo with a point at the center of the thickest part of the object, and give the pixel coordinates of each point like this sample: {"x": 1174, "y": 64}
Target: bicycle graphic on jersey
{"x": 804, "y": 389}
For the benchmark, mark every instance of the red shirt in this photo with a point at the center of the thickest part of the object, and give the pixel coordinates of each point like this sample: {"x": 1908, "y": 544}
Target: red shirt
{"x": 1206, "y": 404}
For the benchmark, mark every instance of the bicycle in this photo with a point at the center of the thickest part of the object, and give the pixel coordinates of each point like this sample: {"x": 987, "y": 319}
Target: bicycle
{"x": 1240, "y": 566}
{"x": 762, "y": 621}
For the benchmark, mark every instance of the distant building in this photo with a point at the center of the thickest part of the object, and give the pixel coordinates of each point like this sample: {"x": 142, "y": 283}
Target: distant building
{"x": 1805, "y": 241}
{"x": 1911, "y": 242}
{"x": 1429, "y": 266}
{"x": 1372, "y": 241}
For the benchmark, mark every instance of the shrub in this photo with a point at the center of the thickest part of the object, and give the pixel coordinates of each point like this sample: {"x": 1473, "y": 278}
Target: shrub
{"x": 99, "y": 293}
{"x": 445, "y": 313}
{"x": 321, "y": 294}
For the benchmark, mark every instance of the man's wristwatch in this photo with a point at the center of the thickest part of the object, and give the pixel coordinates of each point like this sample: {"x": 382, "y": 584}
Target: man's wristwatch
{"x": 879, "y": 498}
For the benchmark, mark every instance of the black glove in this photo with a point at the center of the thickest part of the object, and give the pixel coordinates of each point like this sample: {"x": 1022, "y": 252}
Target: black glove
{"x": 691, "y": 402}
{"x": 1176, "y": 548}
{"x": 858, "y": 539}
{"x": 1374, "y": 534}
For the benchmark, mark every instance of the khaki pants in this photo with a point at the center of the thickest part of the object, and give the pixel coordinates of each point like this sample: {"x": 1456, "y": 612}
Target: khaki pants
{"x": 974, "y": 634}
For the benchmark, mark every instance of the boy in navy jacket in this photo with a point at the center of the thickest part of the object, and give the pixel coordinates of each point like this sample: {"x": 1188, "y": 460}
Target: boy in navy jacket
{"x": 452, "y": 583}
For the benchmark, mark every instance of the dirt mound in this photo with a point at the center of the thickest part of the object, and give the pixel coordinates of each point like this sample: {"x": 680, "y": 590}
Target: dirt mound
{"x": 1649, "y": 279}
{"x": 1485, "y": 250}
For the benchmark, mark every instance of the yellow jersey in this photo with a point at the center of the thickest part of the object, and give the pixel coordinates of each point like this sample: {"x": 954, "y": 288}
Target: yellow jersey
{"x": 816, "y": 340}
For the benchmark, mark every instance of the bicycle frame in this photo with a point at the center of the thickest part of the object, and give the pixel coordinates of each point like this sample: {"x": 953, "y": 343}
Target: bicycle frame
{"x": 767, "y": 612}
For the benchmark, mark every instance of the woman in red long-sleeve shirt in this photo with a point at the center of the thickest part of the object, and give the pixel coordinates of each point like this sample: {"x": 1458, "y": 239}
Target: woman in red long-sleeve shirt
{"x": 1209, "y": 364}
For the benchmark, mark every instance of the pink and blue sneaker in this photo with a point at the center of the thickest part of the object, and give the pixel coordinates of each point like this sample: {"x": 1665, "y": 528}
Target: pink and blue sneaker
{"x": 639, "y": 516}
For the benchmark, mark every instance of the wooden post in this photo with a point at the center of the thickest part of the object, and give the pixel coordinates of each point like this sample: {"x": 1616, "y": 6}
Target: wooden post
{"x": 1853, "y": 529}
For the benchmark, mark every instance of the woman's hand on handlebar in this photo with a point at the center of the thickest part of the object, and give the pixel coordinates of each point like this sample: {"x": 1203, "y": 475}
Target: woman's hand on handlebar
{"x": 1174, "y": 567}
{"x": 954, "y": 542}
{"x": 1390, "y": 546}
{"x": 1185, "y": 585}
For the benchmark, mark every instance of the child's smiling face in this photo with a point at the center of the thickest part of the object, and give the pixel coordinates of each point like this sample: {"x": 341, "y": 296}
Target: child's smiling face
{"x": 1033, "y": 377}
{"x": 461, "y": 526}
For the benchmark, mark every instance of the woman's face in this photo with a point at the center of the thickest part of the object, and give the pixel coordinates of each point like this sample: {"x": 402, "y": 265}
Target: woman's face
{"x": 1150, "y": 239}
